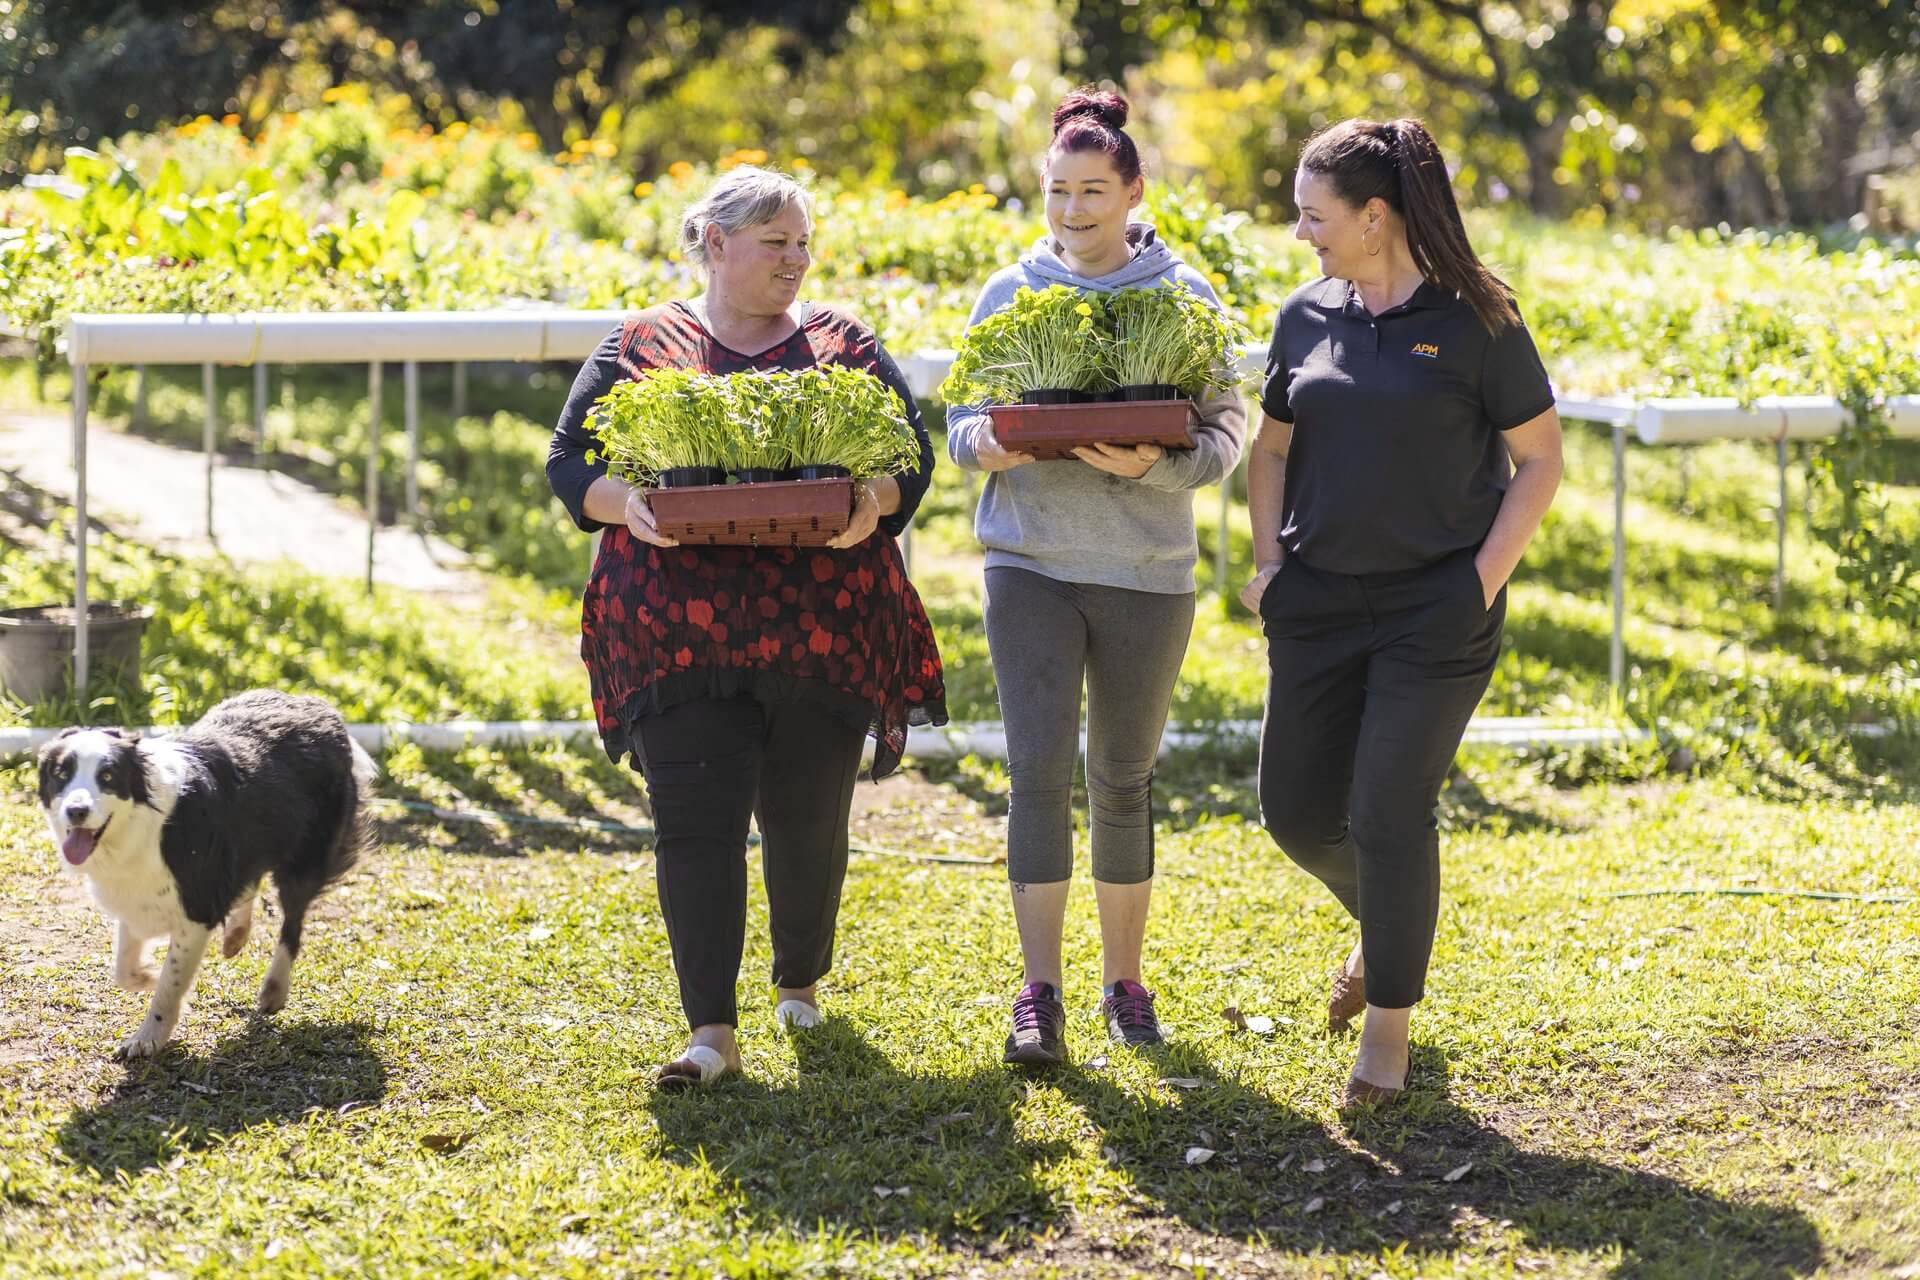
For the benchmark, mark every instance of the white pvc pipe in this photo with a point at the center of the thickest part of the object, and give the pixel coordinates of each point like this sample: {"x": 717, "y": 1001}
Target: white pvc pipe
{"x": 337, "y": 338}
{"x": 1699, "y": 418}
{"x": 982, "y": 738}
{"x": 1613, "y": 411}
{"x": 560, "y": 334}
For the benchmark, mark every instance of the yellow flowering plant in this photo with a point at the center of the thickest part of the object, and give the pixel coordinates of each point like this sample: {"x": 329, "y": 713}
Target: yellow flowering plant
{"x": 1047, "y": 338}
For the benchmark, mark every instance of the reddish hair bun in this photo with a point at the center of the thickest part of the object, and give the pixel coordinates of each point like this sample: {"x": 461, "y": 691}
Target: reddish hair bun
{"x": 1103, "y": 105}
{"x": 1092, "y": 119}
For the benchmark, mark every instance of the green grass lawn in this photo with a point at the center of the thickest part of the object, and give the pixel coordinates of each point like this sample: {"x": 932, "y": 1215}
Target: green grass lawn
{"x": 1633, "y": 1086}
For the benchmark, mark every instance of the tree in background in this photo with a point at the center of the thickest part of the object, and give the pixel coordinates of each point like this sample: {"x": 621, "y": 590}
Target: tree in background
{"x": 1741, "y": 112}
{"x": 1654, "y": 110}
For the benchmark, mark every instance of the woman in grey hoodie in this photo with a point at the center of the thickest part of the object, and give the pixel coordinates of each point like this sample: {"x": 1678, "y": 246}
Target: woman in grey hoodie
{"x": 1089, "y": 577}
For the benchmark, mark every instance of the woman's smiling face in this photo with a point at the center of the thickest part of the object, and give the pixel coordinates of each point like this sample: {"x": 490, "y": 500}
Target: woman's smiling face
{"x": 1332, "y": 226}
{"x": 1087, "y": 204}
{"x": 758, "y": 269}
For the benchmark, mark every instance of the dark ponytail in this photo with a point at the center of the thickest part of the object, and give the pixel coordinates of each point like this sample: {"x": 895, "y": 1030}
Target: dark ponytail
{"x": 1090, "y": 119}
{"x": 1401, "y": 163}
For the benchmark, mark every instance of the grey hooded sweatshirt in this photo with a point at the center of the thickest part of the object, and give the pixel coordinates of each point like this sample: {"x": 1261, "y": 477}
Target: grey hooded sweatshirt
{"x": 1065, "y": 519}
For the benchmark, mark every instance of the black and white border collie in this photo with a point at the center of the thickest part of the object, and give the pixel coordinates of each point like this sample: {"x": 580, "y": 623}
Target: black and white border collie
{"x": 173, "y": 835}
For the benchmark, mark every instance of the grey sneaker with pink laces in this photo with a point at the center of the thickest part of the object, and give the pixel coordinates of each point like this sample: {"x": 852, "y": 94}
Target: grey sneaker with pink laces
{"x": 1129, "y": 1010}
{"x": 1039, "y": 1037}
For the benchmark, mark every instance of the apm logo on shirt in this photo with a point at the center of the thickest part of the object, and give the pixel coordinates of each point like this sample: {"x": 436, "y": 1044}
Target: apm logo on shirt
{"x": 1427, "y": 349}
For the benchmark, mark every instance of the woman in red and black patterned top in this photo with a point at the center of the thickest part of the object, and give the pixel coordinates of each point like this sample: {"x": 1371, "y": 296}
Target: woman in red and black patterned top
{"x": 743, "y": 681}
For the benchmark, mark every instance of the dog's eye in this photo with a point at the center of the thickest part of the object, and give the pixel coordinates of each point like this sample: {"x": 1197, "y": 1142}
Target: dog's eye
{"x": 106, "y": 777}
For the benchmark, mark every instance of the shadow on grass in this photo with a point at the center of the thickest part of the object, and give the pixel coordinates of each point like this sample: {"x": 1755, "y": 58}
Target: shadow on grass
{"x": 1195, "y": 787}
{"x": 1378, "y": 1181}
{"x": 1277, "y": 1178}
{"x": 274, "y": 1072}
{"x": 820, "y": 1148}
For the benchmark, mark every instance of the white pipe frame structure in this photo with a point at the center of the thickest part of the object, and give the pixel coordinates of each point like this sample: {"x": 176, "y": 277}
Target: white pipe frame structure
{"x": 259, "y": 338}
{"x": 987, "y": 738}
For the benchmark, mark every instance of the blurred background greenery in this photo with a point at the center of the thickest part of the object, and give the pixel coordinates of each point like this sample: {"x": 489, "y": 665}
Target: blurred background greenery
{"x": 1766, "y": 113}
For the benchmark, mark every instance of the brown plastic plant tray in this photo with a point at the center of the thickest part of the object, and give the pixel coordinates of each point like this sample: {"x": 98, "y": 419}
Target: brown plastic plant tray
{"x": 1054, "y": 431}
{"x": 774, "y": 513}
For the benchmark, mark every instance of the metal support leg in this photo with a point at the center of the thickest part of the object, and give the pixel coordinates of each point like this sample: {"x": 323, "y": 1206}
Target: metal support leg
{"x": 259, "y": 409}
{"x": 209, "y": 432}
{"x": 1617, "y": 652}
{"x": 459, "y": 388}
{"x": 1806, "y": 490}
{"x": 906, "y": 548}
{"x": 80, "y": 609}
{"x": 411, "y": 379}
{"x": 373, "y": 464}
{"x": 1780, "y": 530}
{"x": 140, "y": 395}
{"x": 1222, "y": 550}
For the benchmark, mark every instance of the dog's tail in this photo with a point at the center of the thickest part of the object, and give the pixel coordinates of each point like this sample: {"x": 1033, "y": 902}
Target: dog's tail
{"x": 356, "y": 828}
{"x": 365, "y": 771}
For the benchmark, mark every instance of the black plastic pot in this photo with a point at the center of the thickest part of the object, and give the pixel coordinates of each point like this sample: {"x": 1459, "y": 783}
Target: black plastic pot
{"x": 690, "y": 477}
{"x": 758, "y": 475}
{"x": 1151, "y": 391}
{"x": 820, "y": 471}
{"x": 1048, "y": 395}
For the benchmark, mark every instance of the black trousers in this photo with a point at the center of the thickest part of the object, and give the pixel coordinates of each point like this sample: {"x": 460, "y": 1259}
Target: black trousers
{"x": 1374, "y": 678}
{"x": 711, "y": 764}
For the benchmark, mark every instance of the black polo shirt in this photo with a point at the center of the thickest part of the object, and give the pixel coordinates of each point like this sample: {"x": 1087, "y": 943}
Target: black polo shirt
{"x": 1396, "y": 458}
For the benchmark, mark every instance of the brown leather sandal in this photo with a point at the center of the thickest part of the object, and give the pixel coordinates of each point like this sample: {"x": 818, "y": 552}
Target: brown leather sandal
{"x": 1347, "y": 999}
{"x": 1362, "y": 1093}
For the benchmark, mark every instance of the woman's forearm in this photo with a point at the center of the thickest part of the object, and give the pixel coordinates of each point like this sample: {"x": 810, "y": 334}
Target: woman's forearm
{"x": 606, "y": 500}
{"x": 1529, "y": 494}
{"x": 886, "y": 491}
{"x": 1266, "y": 495}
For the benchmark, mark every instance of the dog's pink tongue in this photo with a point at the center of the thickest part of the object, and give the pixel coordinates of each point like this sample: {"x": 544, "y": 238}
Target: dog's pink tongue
{"x": 78, "y": 845}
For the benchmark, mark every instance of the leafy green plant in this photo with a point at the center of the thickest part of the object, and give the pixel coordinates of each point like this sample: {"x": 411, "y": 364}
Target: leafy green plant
{"x": 1168, "y": 334}
{"x": 668, "y": 419}
{"x": 1046, "y": 338}
{"x": 830, "y": 415}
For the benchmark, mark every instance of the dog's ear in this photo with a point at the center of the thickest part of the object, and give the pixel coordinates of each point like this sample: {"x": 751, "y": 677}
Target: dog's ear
{"x": 133, "y": 763}
{"x": 51, "y": 754}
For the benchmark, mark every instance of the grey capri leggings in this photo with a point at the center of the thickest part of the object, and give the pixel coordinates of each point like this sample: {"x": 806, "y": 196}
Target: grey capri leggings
{"x": 1046, "y": 636}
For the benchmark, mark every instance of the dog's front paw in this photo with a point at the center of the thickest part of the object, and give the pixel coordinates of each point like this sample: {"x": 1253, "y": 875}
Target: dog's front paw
{"x": 137, "y": 979}
{"x": 144, "y": 1043}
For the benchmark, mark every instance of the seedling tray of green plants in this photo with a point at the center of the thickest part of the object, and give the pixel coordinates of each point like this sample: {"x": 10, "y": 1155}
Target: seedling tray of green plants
{"x": 772, "y": 513}
{"x": 793, "y": 440}
{"x": 1058, "y": 369}
{"x": 1051, "y": 432}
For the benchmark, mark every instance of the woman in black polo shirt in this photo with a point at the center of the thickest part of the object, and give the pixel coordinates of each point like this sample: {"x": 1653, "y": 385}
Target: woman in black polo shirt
{"x": 1408, "y": 453}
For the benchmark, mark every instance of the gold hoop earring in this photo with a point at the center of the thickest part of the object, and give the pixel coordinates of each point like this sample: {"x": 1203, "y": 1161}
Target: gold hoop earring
{"x": 1372, "y": 252}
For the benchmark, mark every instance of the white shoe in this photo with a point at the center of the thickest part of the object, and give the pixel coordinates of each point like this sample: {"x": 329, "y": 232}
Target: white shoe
{"x": 796, "y": 1015}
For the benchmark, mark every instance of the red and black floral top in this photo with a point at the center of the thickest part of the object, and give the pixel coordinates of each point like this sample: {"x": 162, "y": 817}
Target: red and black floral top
{"x": 664, "y": 625}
